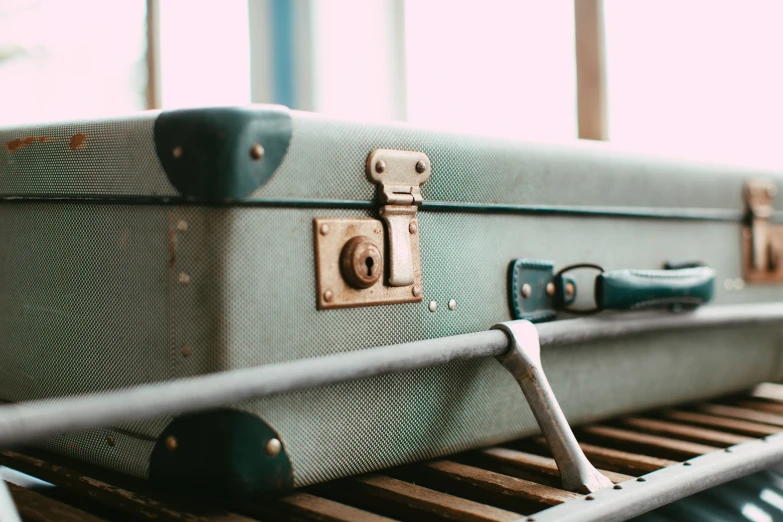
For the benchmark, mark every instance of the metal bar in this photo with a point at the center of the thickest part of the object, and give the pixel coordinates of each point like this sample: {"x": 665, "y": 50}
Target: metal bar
{"x": 590, "y": 69}
{"x": 523, "y": 361}
{"x": 24, "y": 421}
{"x": 19, "y": 423}
{"x": 669, "y": 484}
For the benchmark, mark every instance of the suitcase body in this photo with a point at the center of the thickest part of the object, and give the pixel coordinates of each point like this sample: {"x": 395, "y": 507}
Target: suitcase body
{"x": 165, "y": 245}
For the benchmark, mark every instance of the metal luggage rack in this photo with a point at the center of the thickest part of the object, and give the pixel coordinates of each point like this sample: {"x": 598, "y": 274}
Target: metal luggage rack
{"x": 652, "y": 458}
{"x": 639, "y": 457}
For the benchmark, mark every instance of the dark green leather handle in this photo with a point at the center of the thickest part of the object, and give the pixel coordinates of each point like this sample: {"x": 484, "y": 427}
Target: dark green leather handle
{"x": 632, "y": 289}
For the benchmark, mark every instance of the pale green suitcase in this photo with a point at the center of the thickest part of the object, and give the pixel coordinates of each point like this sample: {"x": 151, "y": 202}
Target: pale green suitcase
{"x": 176, "y": 243}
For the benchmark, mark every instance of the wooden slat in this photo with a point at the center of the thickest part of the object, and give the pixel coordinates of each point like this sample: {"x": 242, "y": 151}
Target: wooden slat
{"x": 769, "y": 391}
{"x": 311, "y": 507}
{"x": 526, "y": 465}
{"x": 754, "y": 429}
{"x": 505, "y": 485}
{"x": 34, "y": 507}
{"x": 618, "y": 460}
{"x": 761, "y": 405}
{"x": 684, "y": 431}
{"x": 139, "y": 505}
{"x": 419, "y": 503}
{"x": 742, "y": 414}
{"x": 662, "y": 446}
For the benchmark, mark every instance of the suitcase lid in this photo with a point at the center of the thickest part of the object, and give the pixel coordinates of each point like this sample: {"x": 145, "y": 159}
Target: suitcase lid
{"x": 266, "y": 154}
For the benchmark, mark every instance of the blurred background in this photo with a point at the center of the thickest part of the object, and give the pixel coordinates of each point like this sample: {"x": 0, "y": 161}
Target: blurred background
{"x": 689, "y": 78}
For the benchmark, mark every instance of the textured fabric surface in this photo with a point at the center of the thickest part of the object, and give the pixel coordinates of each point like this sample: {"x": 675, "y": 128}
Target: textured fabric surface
{"x": 93, "y": 157}
{"x": 326, "y": 160}
{"x": 104, "y": 296}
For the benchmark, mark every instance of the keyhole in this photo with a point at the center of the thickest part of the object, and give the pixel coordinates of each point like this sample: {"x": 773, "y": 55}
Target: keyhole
{"x": 369, "y": 262}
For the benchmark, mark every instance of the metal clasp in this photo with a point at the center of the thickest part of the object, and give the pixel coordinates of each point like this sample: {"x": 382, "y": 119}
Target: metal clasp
{"x": 399, "y": 174}
{"x": 762, "y": 240}
{"x": 523, "y": 360}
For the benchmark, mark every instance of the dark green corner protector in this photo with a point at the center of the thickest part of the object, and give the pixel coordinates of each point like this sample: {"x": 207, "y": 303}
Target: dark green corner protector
{"x": 220, "y": 453}
{"x": 208, "y": 154}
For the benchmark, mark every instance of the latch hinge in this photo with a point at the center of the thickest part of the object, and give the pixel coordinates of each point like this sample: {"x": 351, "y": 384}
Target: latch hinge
{"x": 762, "y": 240}
{"x": 399, "y": 174}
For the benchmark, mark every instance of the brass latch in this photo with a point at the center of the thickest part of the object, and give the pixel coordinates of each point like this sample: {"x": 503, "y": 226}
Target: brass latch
{"x": 363, "y": 261}
{"x": 762, "y": 240}
{"x": 400, "y": 174}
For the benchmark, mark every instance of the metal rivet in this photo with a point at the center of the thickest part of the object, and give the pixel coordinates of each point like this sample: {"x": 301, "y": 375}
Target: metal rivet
{"x": 182, "y": 225}
{"x": 177, "y": 152}
{"x": 569, "y": 290}
{"x": 416, "y": 291}
{"x": 380, "y": 166}
{"x": 589, "y": 497}
{"x": 421, "y": 167}
{"x": 618, "y": 486}
{"x": 526, "y": 290}
{"x": 273, "y": 447}
{"x": 257, "y": 152}
{"x": 452, "y": 304}
{"x": 185, "y": 350}
{"x": 183, "y": 278}
{"x": 110, "y": 440}
{"x": 641, "y": 479}
{"x": 433, "y": 306}
{"x": 728, "y": 284}
{"x": 728, "y": 450}
{"x": 324, "y": 229}
{"x": 738, "y": 284}
{"x": 328, "y": 296}
{"x": 412, "y": 228}
{"x": 686, "y": 464}
{"x": 171, "y": 443}
{"x": 550, "y": 289}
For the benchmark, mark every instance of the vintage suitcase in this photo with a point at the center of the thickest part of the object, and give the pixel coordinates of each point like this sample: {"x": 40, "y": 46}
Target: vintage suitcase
{"x": 177, "y": 243}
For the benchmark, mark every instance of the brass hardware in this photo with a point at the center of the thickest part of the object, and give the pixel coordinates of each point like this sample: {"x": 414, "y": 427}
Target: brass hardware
{"x": 399, "y": 174}
{"x": 762, "y": 241}
{"x": 257, "y": 152}
{"x": 550, "y": 289}
{"x": 526, "y": 290}
{"x": 361, "y": 262}
{"x": 452, "y": 305}
{"x": 177, "y": 152}
{"x": 433, "y": 306}
{"x": 334, "y": 288}
{"x": 171, "y": 443}
{"x": 273, "y": 447}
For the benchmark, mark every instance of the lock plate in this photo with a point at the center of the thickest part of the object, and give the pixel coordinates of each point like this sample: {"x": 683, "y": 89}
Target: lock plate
{"x": 331, "y": 235}
{"x": 762, "y": 241}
